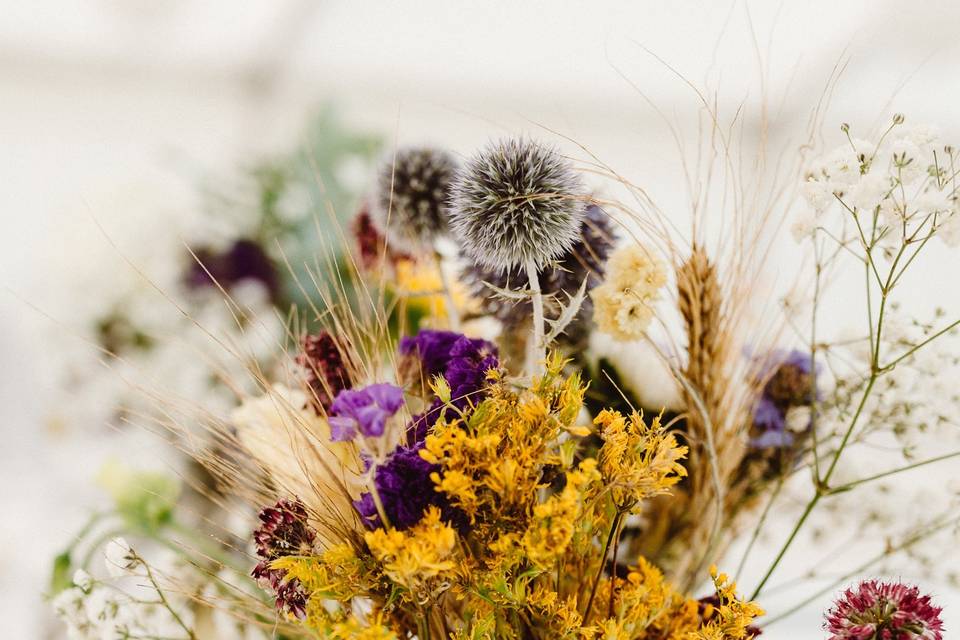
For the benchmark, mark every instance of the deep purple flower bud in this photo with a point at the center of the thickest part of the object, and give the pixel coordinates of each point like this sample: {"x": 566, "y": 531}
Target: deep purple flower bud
{"x": 405, "y": 489}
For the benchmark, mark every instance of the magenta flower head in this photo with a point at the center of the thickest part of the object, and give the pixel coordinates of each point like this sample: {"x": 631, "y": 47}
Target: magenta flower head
{"x": 884, "y": 611}
{"x": 364, "y": 410}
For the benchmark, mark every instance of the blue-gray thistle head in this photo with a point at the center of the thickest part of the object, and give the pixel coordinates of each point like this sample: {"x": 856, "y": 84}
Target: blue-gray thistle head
{"x": 516, "y": 202}
{"x": 413, "y": 189}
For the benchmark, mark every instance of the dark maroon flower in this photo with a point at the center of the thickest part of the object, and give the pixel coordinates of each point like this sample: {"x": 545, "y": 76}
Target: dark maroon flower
{"x": 405, "y": 490}
{"x": 283, "y": 532}
{"x": 372, "y": 246}
{"x": 326, "y": 371}
{"x": 244, "y": 260}
{"x": 884, "y": 611}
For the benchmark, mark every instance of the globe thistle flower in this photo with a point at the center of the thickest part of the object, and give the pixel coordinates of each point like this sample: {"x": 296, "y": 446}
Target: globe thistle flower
{"x": 326, "y": 371}
{"x": 624, "y": 301}
{"x": 413, "y": 189}
{"x": 584, "y": 261}
{"x": 891, "y": 610}
{"x": 283, "y": 532}
{"x": 516, "y": 203}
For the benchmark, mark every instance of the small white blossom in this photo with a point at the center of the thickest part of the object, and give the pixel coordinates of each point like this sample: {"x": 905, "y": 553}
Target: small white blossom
{"x": 120, "y": 558}
{"x": 83, "y": 580}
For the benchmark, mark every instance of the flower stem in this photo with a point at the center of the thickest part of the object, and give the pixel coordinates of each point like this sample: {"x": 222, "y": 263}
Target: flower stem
{"x": 614, "y": 528}
{"x": 536, "y": 350}
{"x": 453, "y": 316}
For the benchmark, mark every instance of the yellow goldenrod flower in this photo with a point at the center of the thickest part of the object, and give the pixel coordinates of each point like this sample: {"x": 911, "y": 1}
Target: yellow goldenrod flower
{"x": 418, "y": 558}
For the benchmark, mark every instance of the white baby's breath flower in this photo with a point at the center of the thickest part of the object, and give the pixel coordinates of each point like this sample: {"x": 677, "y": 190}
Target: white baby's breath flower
{"x": 948, "y": 230}
{"x": 83, "y": 580}
{"x": 120, "y": 558}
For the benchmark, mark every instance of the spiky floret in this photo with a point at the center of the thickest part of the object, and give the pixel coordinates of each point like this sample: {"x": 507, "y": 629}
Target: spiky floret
{"x": 413, "y": 188}
{"x": 884, "y": 610}
{"x": 516, "y": 203}
{"x": 584, "y": 261}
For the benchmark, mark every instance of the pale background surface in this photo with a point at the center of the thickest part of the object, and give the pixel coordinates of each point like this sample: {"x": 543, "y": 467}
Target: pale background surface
{"x": 95, "y": 93}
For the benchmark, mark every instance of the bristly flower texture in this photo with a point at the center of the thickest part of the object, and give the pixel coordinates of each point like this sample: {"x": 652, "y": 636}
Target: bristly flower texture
{"x": 516, "y": 202}
{"x": 283, "y": 532}
{"x": 413, "y": 190}
{"x": 884, "y": 611}
{"x": 563, "y": 277}
{"x": 624, "y": 301}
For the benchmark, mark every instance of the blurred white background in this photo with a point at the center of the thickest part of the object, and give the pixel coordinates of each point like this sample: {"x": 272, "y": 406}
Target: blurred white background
{"x": 100, "y": 93}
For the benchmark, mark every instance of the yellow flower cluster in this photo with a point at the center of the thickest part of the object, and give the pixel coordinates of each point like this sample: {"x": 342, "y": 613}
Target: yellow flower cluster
{"x": 623, "y": 302}
{"x": 637, "y": 460}
{"x": 419, "y": 559}
{"x": 421, "y": 284}
{"x": 352, "y": 629}
{"x": 554, "y": 520}
{"x": 643, "y": 606}
{"x": 492, "y": 460}
{"x": 731, "y": 618}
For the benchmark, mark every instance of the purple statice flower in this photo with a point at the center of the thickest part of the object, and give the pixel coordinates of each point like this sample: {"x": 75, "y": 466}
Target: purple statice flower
{"x": 364, "y": 410}
{"x": 244, "y": 260}
{"x": 283, "y": 532}
{"x": 883, "y": 611}
{"x": 462, "y": 361}
{"x": 405, "y": 489}
{"x": 790, "y": 383}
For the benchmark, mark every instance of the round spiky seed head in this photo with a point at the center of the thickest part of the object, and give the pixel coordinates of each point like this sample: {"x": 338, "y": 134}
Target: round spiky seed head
{"x": 514, "y": 202}
{"x": 413, "y": 188}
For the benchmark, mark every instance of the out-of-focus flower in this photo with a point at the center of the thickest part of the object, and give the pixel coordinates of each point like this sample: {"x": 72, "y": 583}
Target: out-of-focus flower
{"x": 623, "y": 303}
{"x": 144, "y": 499}
{"x": 119, "y": 557}
{"x": 243, "y": 260}
{"x": 884, "y": 610}
{"x": 364, "y": 411}
{"x": 514, "y": 203}
{"x": 413, "y": 189}
{"x": 790, "y": 384}
{"x": 83, "y": 580}
{"x": 283, "y": 532}
{"x": 372, "y": 245}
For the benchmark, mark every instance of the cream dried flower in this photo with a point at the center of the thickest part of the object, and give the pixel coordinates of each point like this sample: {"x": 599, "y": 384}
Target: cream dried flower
{"x": 623, "y": 303}
{"x": 292, "y": 444}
